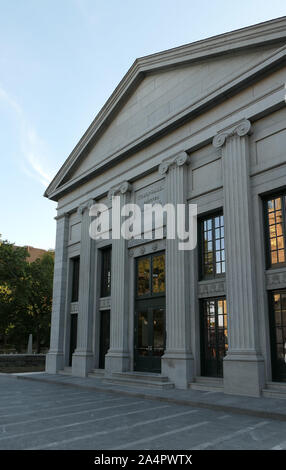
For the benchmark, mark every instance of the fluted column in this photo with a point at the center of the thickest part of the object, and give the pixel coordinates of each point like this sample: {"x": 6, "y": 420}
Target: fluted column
{"x": 243, "y": 365}
{"x": 177, "y": 361}
{"x": 55, "y": 356}
{"x": 118, "y": 357}
{"x": 83, "y": 357}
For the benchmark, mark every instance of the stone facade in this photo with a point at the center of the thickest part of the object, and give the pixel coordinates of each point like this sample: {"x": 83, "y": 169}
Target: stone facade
{"x": 204, "y": 124}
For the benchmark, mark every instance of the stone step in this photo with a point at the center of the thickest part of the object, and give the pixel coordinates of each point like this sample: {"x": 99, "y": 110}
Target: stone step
{"x": 207, "y": 384}
{"x": 98, "y": 373}
{"x": 66, "y": 371}
{"x": 141, "y": 383}
{"x": 150, "y": 377}
{"x": 275, "y": 390}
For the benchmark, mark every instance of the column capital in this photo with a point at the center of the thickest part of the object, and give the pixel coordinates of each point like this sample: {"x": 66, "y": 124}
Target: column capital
{"x": 84, "y": 206}
{"x": 241, "y": 129}
{"x": 122, "y": 188}
{"x": 178, "y": 160}
{"x": 63, "y": 215}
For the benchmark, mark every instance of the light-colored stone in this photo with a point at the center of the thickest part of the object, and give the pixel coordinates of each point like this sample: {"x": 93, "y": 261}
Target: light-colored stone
{"x": 152, "y": 141}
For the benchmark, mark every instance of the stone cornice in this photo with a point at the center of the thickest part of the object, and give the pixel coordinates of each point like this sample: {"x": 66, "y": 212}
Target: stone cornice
{"x": 263, "y": 33}
{"x": 241, "y": 129}
{"x": 180, "y": 159}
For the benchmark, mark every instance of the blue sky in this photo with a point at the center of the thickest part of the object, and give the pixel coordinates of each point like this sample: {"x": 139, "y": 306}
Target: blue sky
{"x": 59, "y": 62}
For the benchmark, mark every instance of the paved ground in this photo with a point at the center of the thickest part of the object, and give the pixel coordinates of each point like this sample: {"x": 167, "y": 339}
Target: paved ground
{"x": 37, "y": 415}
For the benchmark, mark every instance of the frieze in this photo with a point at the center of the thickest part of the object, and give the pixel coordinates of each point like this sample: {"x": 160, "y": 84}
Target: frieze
{"x": 276, "y": 280}
{"x": 104, "y": 303}
{"x": 148, "y": 248}
{"x": 207, "y": 289}
{"x": 74, "y": 307}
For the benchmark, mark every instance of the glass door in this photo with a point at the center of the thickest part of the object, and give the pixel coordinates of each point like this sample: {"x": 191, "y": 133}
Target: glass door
{"x": 149, "y": 324}
{"x": 214, "y": 341}
{"x": 149, "y": 337}
{"x": 278, "y": 335}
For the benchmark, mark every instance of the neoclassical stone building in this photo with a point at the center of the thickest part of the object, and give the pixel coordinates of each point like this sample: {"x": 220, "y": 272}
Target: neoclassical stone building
{"x": 205, "y": 124}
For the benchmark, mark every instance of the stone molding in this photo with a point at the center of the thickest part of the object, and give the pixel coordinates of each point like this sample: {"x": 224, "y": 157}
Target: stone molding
{"x": 211, "y": 288}
{"x": 74, "y": 307}
{"x": 276, "y": 279}
{"x": 141, "y": 250}
{"x": 180, "y": 159}
{"x": 122, "y": 188}
{"x": 241, "y": 129}
{"x": 104, "y": 303}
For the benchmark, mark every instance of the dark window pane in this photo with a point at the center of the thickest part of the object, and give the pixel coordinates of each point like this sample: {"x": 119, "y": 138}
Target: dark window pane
{"x": 75, "y": 279}
{"x": 213, "y": 246}
{"x": 106, "y": 272}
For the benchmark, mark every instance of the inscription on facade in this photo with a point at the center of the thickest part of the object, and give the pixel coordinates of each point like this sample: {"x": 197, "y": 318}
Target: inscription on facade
{"x": 152, "y": 194}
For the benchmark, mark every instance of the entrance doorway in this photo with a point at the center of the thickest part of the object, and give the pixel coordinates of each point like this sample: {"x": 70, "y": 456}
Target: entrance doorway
{"x": 73, "y": 336}
{"x": 149, "y": 321}
{"x": 278, "y": 335}
{"x": 214, "y": 341}
{"x": 104, "y": 337}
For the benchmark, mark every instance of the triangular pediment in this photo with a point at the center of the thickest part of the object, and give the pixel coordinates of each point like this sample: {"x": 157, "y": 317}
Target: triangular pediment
{"x": 153, "y": 97}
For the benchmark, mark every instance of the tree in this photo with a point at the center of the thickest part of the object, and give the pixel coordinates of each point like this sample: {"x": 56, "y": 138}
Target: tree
{"x": 40, "y": 274}
{"x": 25, "y": 296}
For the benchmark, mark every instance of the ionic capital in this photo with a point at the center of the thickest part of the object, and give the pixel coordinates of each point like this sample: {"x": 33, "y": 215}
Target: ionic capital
{"x": 242, "y": 129}
{"x": 122, "y": 188}
{"x": 180, "y": 159}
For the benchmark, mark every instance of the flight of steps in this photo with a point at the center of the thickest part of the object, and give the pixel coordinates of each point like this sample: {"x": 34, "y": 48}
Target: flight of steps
{"x": 275, "y": 390}
{"x": 134, "y": 379}
{"x": 207, "y": 384}
{"x": 97, "y": 373}
{"x": 66, "y": 371}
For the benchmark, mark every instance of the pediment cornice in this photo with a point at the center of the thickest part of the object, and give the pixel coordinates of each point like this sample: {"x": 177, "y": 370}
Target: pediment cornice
{"x": 263, "y": 33}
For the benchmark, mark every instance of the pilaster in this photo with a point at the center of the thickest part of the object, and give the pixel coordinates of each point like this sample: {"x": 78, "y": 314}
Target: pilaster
{"x": 118, "y": 357}
{"x": 177, "y": 361}
{"x": 83, "y": 357}
{"x": 55, "y": 356}
{"x": 243, "y": 365}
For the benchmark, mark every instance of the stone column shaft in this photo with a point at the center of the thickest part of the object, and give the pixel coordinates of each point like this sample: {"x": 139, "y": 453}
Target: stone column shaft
{"x": 83, "y": 357}
{"x": 177, "y": 362}
{"x": 55, "y": 357}
{"x": 118, "y": 358}
{"x": 243, "y": 365}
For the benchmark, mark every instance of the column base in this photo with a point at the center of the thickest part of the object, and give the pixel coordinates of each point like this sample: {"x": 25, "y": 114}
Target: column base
{"x": 82, "y": 363}
{"x": 117, "y": 361}
{"x": 178, "y": 367}
{"x": 54, "y": 362}
{"x": 244, "y": 374}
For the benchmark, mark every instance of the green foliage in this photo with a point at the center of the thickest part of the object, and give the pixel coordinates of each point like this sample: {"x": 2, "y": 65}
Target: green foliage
{"x": 25, "y": 297}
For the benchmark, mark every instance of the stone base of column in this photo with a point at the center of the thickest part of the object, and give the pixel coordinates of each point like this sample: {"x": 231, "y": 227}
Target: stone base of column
{"x": 82, "y": 363}
{"x": 117, "y": 361}
{"x": 244, "y": 374}
{"x": 54, "y": 362}
{"x": 178, "y": 367}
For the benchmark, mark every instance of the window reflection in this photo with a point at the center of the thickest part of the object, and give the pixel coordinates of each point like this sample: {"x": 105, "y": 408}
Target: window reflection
{"x": 276, "y": 230}
{"x": 158, "y": 281}
{"x": 213, "y": 246}
{"x": 143, "y": 276}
